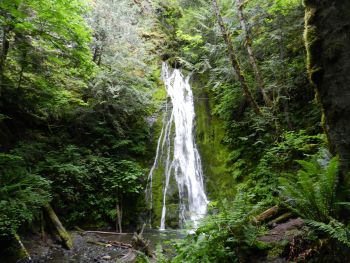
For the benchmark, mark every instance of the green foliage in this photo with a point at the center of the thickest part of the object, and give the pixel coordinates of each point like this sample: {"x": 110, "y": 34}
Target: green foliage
{"x": 85, "y": 184}
{"x": 46, "y": 58}
{"x": 22, "y": 194}
{"x": 260, "y": 178}
{"x": 312, "y": 194}
{"x": 334, "y": 229}
{"x": 81, "y": 115}
{"x": 228, "y": 236}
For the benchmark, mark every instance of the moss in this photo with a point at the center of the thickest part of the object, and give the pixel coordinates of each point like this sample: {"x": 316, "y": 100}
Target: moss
{"x": 172, "y": 219}
{"x": 313, "y": 47}
{"x": 209, "y": 136}
{"x": 64, "y": 236}
{"x": 159, "y": 95}
{"x": 277, "y": 249}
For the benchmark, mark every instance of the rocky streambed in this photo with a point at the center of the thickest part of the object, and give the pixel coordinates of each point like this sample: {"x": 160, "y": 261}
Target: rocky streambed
{"x": 98, "y": 247}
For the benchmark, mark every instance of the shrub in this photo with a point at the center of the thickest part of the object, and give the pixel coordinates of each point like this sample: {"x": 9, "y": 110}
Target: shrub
{"x": 22, "y": 194}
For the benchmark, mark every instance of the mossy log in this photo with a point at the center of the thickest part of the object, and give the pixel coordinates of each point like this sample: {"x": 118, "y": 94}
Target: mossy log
{"x": 272, "y": 211}
{"x": 61, "y": 231}
{"x": 280, "y": 219}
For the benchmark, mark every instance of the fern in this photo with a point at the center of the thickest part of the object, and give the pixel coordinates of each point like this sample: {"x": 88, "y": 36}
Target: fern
{"x": 334, "y": 229}
{"x": 228, "y": 236}
{"x": 312, "y": 195}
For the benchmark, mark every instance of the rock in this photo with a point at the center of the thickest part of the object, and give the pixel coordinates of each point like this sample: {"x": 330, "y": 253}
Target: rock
{"x": 106, "y": 257}
{"x": 285, "y": 231}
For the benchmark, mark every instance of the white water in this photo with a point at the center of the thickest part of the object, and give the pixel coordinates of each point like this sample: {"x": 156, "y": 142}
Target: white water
{"x": 183, "y": 162}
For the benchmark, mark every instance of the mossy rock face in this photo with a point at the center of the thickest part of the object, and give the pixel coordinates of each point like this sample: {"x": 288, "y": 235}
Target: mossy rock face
{"x": 172, "y": 215}
{"x": 209, "y": 135}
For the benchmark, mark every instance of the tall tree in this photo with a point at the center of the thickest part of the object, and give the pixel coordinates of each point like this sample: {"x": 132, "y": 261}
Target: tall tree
{"x": 233, "y": 58}
{"x": 252, "y": 57}
{"x": 327, "y": 37}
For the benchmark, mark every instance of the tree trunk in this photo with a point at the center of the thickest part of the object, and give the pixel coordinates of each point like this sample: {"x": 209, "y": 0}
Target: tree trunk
{"x": 42, "y": 226}
{"x": 118, "y": 223}
{"x": 252, "y": 58}
{"x": 3, "y": 55}
{"x": 62, "y": 232}
{"x": 327, "y": 39}
{"x": 96, "y": 53}
{"x": 4, "y": 50}
{"x": 23, "y": 249}
{"x": 234, "y": 61}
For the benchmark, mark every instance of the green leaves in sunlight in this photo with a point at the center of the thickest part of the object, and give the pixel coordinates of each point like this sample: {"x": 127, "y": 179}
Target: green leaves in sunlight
{"x": 46, "y": 59}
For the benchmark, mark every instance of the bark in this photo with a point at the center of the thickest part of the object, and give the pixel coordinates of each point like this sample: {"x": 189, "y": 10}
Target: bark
{"x": 97, "y": 57}
{"x": 42, "y": 226}
{"x": 327, "y": 39}
{"x": 62, "y": 232}
{"x": 23, "y": 251}
{"x": 252, "y": 57}
{"x": 3, "y": 55}
{"x": 96, "y": 53}
{"x": 118, "y": 223}
{"x": 233, "y": 58}
{"x": 4, "y": 50}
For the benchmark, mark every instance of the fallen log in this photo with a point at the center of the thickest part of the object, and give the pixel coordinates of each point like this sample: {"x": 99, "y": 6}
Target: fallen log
{"x": 102, "y": 244}
{"x": 279, "y": 219}
{"x": 106, "y": 233}
{"x": 110, "y": 243}
{"x": 272, "y": 211}
{"x": 80, "y": 230}
{"x": 120, "y": 244}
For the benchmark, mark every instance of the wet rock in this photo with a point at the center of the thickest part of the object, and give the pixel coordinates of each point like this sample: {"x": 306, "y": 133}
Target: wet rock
{"x": 285, "y": 231}
{"x": 106, "y": 257}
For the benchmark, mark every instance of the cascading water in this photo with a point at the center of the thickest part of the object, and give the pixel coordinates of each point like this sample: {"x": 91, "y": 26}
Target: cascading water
{"x": 183, "y": 162}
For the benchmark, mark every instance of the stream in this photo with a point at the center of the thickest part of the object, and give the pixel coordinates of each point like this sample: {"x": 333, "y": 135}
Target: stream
{"x": 86, "y": 248}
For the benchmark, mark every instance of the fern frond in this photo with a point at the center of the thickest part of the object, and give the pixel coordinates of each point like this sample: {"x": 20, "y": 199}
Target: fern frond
{"x": 312, "y": 194}
{"x": 334, "y": 229}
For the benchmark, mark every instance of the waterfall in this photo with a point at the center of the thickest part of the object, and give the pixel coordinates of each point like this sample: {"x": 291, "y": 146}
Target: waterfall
{"x": 182, "y": 159}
